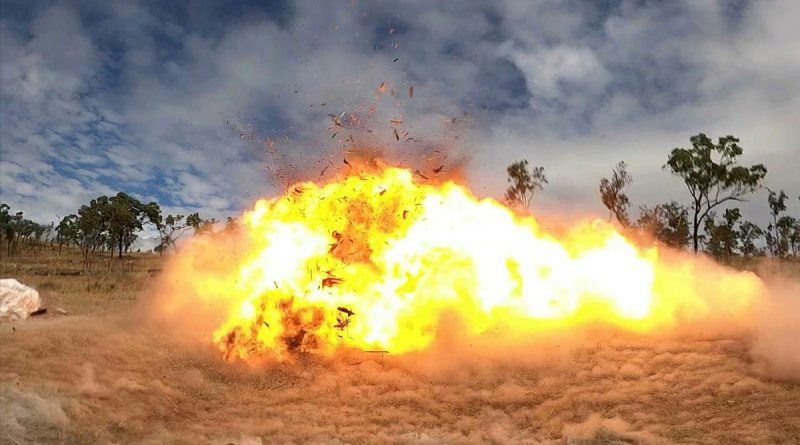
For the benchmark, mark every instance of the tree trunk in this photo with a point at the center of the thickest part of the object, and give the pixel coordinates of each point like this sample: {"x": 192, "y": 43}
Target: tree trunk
{"x": 777, "y": 252}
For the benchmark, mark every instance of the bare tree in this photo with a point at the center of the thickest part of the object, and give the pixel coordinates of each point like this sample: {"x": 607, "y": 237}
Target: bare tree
{"x": 777, "y": 205}
{"x": 523, "y": 183}
{"x": 612, "y": 195}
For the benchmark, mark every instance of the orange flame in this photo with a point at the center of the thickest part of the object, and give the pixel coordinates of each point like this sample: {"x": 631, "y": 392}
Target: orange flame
{"x": 374, "y": 260}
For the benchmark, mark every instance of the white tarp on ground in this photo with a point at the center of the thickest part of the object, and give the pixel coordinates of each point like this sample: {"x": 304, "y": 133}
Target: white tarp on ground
{"x": 16, "y": 299}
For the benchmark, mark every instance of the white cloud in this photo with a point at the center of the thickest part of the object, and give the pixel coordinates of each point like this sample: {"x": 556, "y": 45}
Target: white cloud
{"x": 545, "y": 70}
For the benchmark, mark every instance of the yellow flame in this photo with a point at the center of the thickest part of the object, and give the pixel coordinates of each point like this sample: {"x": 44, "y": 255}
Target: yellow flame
{"x": 374, "y": 260}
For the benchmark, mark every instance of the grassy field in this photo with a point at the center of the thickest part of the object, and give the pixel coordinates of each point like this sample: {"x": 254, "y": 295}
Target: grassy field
{"x": 102, "y": 374}
{"x": 62, "y": 281}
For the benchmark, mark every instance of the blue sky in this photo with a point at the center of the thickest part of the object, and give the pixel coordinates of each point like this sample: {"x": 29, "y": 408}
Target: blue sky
{"x": 154, "y": 98}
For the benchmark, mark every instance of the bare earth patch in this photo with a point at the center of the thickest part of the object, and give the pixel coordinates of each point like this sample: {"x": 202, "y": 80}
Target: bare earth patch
{"x": 87, "y": 379}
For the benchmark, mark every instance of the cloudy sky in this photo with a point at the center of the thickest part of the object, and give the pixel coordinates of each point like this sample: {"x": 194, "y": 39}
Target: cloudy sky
{"x": 178, "y": 103}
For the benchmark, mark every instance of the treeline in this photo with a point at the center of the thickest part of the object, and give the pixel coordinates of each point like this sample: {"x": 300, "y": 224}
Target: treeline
{"x": 18, "y": 232}
{"x": 709, "y": 170}
{"x": 105, "y": 224}
{"x": 714, "y": 180}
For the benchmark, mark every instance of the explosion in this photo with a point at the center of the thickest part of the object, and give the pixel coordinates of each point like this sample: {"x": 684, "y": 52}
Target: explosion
{"x": 375, "y": 259}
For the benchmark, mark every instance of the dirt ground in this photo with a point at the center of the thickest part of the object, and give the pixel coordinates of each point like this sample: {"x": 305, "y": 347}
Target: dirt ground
{"x": 101, "y": 375}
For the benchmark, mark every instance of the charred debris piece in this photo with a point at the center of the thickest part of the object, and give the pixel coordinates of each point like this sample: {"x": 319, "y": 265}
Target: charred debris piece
{"x": 343, "y": 318}
{"x": 345, "y": 310}
{"x": 331, "y": 281}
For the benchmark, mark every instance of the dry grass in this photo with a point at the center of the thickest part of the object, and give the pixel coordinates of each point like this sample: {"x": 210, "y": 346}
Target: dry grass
{"x": 62, "y": 281}
{"x": 101, "y": 375}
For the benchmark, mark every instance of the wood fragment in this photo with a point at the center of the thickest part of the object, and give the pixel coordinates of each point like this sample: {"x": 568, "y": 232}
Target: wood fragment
{"x": 331, "y": 281}
{"x": 38, "y": 312}
{"x": 411, "y": 91}
{"x": 62, "y": 311}
{"x": 345, "y": 310}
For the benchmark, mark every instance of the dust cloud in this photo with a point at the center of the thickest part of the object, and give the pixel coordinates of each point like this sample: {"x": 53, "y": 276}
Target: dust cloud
{"x": 777, "y": 329}
{"x": 83, "y": 380}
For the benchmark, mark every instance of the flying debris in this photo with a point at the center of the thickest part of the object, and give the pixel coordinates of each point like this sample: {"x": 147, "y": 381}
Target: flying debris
{"x": 343, "y": 318}
{"x": 336, "y": 122}
{"x": 342, "y": 322}
{"x": 331, "y": 281}
{"x": 346, "y": 311}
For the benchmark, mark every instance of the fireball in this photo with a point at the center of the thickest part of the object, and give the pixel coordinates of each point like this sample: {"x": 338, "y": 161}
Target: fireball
{"x": 374, "y": 260}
